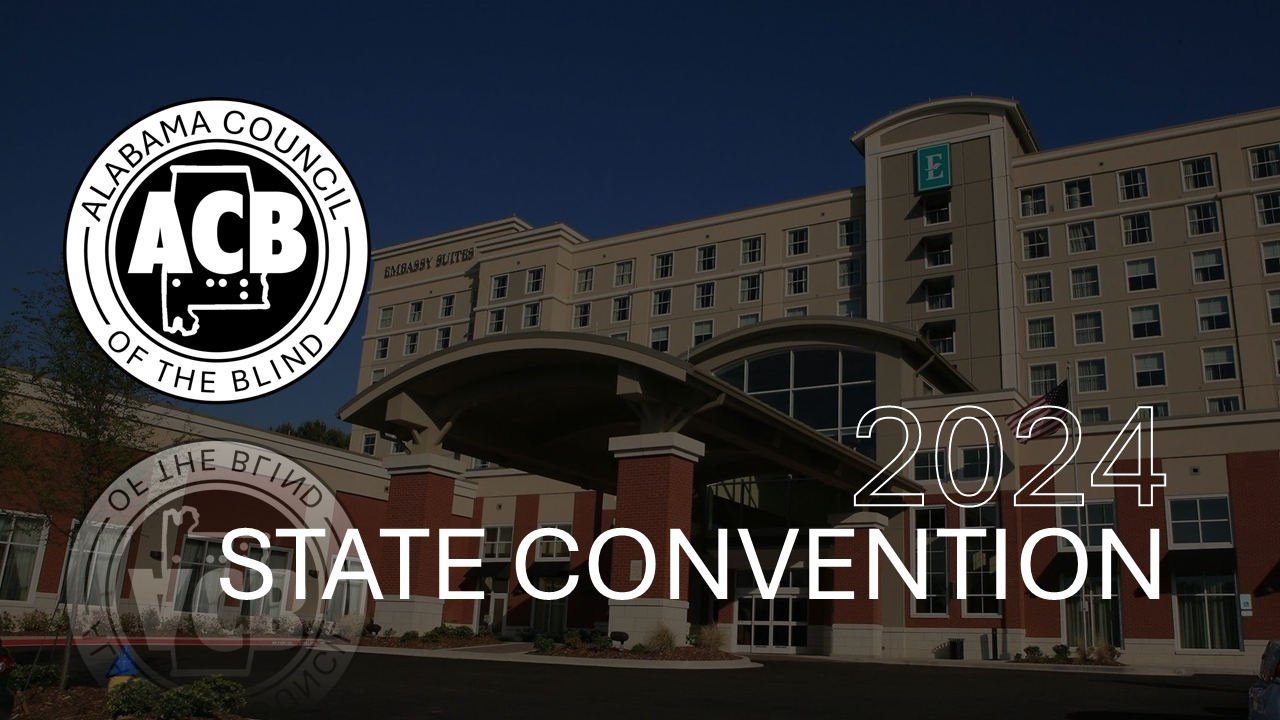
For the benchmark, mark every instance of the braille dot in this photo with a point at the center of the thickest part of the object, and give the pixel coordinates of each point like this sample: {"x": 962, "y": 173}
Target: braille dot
{"x": 176, "y": 282}
{"x": 222, "y": 282}
{"x": 244, "y": 282}
{"x": 244, "y": 295}
{"x": 208, "y": 283}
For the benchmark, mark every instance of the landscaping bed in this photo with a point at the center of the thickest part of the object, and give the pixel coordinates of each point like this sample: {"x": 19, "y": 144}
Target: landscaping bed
{"x": 422, "y": 643}
{"x": 212, "y": 697}
{"x": 77, "y": 703}
{"x": 704, "y": 643}
{"x": 1104, "y": 655}
{"x": 678, "y": 653}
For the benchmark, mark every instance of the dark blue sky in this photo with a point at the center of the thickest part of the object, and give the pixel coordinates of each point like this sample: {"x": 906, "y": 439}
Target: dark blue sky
{"x": 607, "y": 116}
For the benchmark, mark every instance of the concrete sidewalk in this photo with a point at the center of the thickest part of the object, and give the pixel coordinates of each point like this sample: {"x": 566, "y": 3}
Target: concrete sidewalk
{"x": 518, "y": 653}
{"x": 1150, "y": 670}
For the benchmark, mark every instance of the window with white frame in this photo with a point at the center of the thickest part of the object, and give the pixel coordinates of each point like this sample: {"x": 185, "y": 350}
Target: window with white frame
{"x": 1268, "y": 206}
{"x": 348, "y": 595}
{"x": 20, "y": 539}
{"x": 533, "y": 280}
{"x": 941, "y": 335}
{"x": 415, "y": 311}
{"x": 660, "y": 339}
{"x": 1157, "y": 409}
{"x": 532, "y": 315}
{"x": 1035, "y": 244}
{"x": 703, "y": 331}
{"x": 849, "y": 233}
{"x": 623, "y": 271}
{"x": 442, "y": 337}
{"x": 582, "y": 315}
{"x": 938, "y": 293}
{"x": 1208, "y": 610}
{"x": 752, "y": 249}
{"x": 550, "y": 548}
{"x": 369, "y": 443}
{"x": 1200, "y": 521}
{"x": 1275, "y": 353}
{"x": 662, "y": 302}
{"x": 1084, "y": 282}
{"x": 704, "y": 296}
{"x": 1078, "y": 193}
{"x": 1039, "y": 287}
{"x": 927, "y": 465}
{"x": 797, "y": 280}
{"x": 1095, "y": 415}
{"x": 795, "y": 312}
{"x": 1271, "y": 257}
{"x": 1088, "y": 327}
{"x": 1141, "y": 274}
{"x": 1214, "y": 313}
{"x": 586, "y": 280}
{"x": 411, "y": 343}
{"x": 623, "y": 336}
{"x": 1228, "y": 404}
{"x": 498, "y": 287}
{"x": 376, "y": 375}
{"x": 936, "y": 597}
{"x": 1091, "y": 375}
{"x": 1144, "y": 321}
{"x": 706, "y": 258}
{"x": 1197, "y": 173}
{"x": 446, "y": 306}
{"x": 797, "y": 242}
{"x": 849, "y": 308}
{"x": 1033, "y": 201}
{"x": 937, "y": 251}
{"x": 1202, "y": 219}
{"x": 497, "y": 320}
{"x": 380, "y": 348}
{"x": 973, "y": 463}
{"x": 1273, "y": 304}
{"x": 663, "y": 265}
{"x": 497, "y": 542}
{"x": 849, "y": 272}
{"x": 748, "y": 319}
{"x": 1132, "y": 183}
{"x": 937, "y": 208}
{"x": 199, "y": 570}
{"x": 1044, "y": 378}
{"x": 622, "y": 308}
{"x": 1082, "y": 237}
{"x": 1264, "y": 162}
{"x": 385, "y": 316}
{"x": 749, "y": 288}
{"x": 1219, "y": 363}
{"x": 1148, "y": 370}
{"x": 980, "y": 566}
{"x": 1088, "y": 521}
{"x": 479, "y": 463}
{"x": 1136, "y": 228}
{"x": 1207, "y": 265}
{"x": 1040, "y": 334}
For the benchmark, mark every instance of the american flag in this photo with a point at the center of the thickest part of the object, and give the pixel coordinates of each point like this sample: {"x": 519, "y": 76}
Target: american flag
{"x": 1053, "y": 404}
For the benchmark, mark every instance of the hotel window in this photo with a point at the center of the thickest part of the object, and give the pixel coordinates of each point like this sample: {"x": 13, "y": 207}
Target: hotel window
{"x": 752, "y": 249}
{"x": 446, "y": 306}
{"x": 532, "y": 315}
{"x": 369, "y": 443}
{"x": 550, "y": 548}
{"x": 795, "y": 312}
{"x": 1273, "y": 304}
{"x": 1136, "y": 228}
{"x": 1213, "y": 313}
{"x": 1208, "y": 613}
{"x": 622, "y": 308}
{"x": 1081, "y": 237}
{"x": 1158, "y": 410}
{"x": 348, "y": 595}
{"x": 1141, "y": 274}
{"x": 797, "y": 281}
{"x": 1035, "y": 244}
{"x": 1084, "y": 282}
{"x": 497, "y": 542}
{"x": 748, "y": 319}
{"x": 749, "y": 288}
{"x": 498, "y": 288}
{"x": 706, "y": 258}
{"x": 1264, "y": 162}
{"x": 980, "y": 567}
{"x": 702, "y": 331}
{"x": 397, "y": 448}
{"x": 1078, "y": 193}
{"x": 1219, "y": 363}
{"x": 1268, "y": 209}
{"x": 497, "y": 320}
{"x": 1144, "y": 321}
{"x": 941, "y": 335}
{"x": 376, "y": 375}
{"x": 1202, "y": 219}
{"x": 1133, "y": 184}
{"x": 1275, "y": 351}
{"x": 586, "y": 280}
{"x": 1271, "y": 257}
{"x": 582, "y": 315}
{"x": 479, "y": 463}
{"x": 380, "y": 348}
{"x": 415, "y": 311}
{"x": 1197, "y": 173}
{"x": 704, "y": 296}
{"x": 849, "y": 308}
{"x": 1218, "y": 405}
{"x": 623, "y": 336}
{"x": 660, "y": 339}
{"x": 1149, "y": 370}
{"x": 19, "y": 545}
{"x": 1044, "y": 378}
{"x": 663, "y": 265}
{"x": 384, "y": 317}
{"x": 849, "y": 273}
{"x": 199, "y": 572}
{"x": 1034, "y": 201}
{"x": 623, "y": 272}
{"x": 937, "y": 208}
{"x": 1040, "y": 334}
{"x": 1095, "y": 415}
{"x": 931, "y": 519}
{"x": 1088, "y": 328}
{"x": 442, "y": 337}
{"x": 927, "y": 466}
{"x": 1200, "y": 521}
{"x": 533, "y": 281}
{"x": 1039, "y": 288}
{"x": 1089, "y": 521}
{"x": 937, "y": 251}
{"x": 849, "y": 233}
{"x": 411, "y": 343}
{"x": 1207, "y": 265}
{"x": 797, "y": 242}
{"x": 937, "y": 294}
{"x": 662, "y": 302}
{"x": 1091, "y": 375}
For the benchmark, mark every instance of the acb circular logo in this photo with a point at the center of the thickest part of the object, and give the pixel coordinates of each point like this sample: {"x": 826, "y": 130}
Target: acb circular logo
{"x": 217, "y": 250}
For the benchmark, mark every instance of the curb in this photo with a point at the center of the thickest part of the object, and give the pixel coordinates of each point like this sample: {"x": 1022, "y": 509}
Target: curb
{"x": 1149, "y": 670}
{"x": 741, "y": 663}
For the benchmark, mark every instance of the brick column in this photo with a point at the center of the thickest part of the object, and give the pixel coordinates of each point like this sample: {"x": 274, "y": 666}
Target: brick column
{"x": 857, "y": 626}
{"x": 421, "y": 497}
{"x": 655, "y": 495}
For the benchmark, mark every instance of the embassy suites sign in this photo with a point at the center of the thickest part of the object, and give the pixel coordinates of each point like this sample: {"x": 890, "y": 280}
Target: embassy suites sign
{"x": 428, "y": 262}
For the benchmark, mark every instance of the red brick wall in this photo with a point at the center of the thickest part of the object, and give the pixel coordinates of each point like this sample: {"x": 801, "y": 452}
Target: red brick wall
{"x": 586, "y": 606}
{"x": 1254, "y": 481}
{"x": 519, "y": 603}
{"x": 416, "y": 501}
{"x": 862, "y": 610}
{"x": 1141, "y": 617}
{"x": 655, "y": 495}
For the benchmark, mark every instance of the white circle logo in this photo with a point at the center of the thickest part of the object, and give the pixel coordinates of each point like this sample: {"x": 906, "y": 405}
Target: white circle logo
{"x": 217, "y": 250}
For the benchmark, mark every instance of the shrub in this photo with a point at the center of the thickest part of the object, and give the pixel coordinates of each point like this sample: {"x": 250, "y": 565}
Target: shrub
{"x": 572, "y": 639}
{"x": 1061, "y": 653}
{"x": 287, "y": 625}
{"x": 150, "y": 620}
{"x": 661, "y": 640}
{"x": 602, "y": 642}
{"x": 223, "y": 695}
{"x": 409, "y": 636}
{"x": 181, "y": 703}
{"x": 1082, "y": 655}
{"x": 36, "y": 622}
{"x": 459, "y": 632}
{"x": 1034, "y": 652}
{"x": 349, "y": 626}
{"x": 136, "y": 697}
{"x": 484, "y": 631}
{"x": 708, "y": 637}
{"x": 1107, "y": 653}
{"x": 639, "y": 649}
{"x": 7, "y": 624}
{"x": 44, "y": 675}
{"x": 543, "y": 645}
{"x": 130, "y": 623}
{"x": 386, "y": 632}
{"x": 527, "y": 635}
{"x": 1017, "y": 657}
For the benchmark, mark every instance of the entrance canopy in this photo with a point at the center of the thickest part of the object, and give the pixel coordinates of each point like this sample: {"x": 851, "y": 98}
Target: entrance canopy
{"x": 548, "y": 403}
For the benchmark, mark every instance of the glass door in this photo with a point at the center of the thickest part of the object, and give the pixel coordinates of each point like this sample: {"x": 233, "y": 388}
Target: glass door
{"x": 491, "y": 610}
{"x": 780, "y": 625}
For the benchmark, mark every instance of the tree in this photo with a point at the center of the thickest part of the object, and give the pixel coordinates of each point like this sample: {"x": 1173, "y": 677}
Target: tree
{"x": 316, "y": 431}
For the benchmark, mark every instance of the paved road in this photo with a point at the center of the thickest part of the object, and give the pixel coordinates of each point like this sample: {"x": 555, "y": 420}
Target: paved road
{"x": 392, "y": 688}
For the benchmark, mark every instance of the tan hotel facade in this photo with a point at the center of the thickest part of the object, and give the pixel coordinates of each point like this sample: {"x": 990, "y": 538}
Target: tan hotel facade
{"x": 516, "y": 377}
